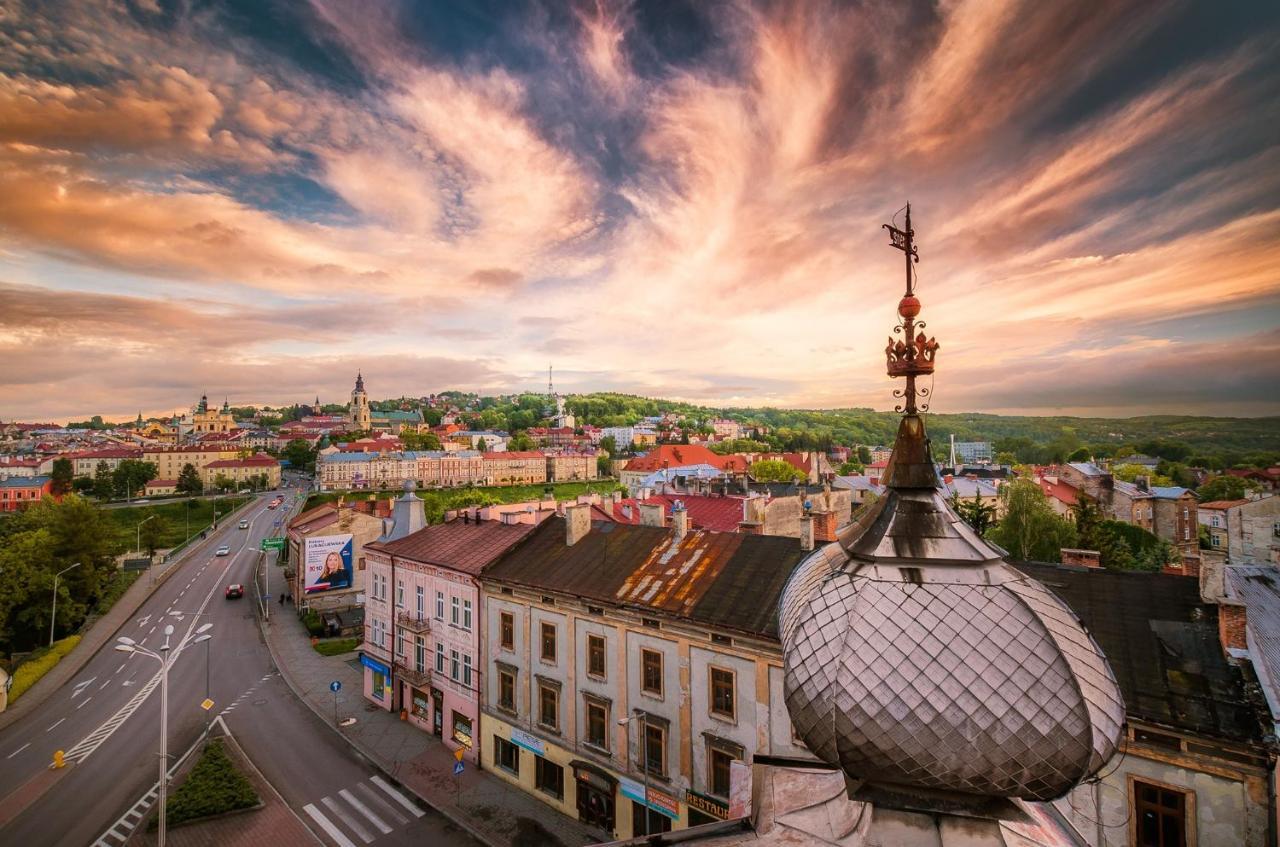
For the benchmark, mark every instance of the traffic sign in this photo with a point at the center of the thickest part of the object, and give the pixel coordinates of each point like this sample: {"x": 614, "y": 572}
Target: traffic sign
{"x": 457, "y": 768}
{"x": 272, "y": 544}
{"x": 335, "y": 686}
{"x": 207, "y": 704}
{"x": 457, "y": 754}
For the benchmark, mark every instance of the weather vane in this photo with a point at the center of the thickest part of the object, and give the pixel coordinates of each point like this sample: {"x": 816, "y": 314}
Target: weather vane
{"x": 912, "y": 355}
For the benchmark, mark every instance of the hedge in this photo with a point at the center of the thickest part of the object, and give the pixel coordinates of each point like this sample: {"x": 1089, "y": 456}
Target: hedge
{"x": 30, "y": 671}
{"x": 213, "y": 787}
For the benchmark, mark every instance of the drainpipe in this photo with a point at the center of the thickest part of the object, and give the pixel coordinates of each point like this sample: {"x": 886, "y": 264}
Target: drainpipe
{"x": 391, "y": 666}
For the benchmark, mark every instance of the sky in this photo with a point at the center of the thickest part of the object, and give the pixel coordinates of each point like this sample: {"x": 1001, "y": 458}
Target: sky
{"x": 257, "y": 199}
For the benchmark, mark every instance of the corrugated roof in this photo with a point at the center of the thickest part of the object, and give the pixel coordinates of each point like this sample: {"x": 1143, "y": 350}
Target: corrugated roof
{"x": 1258, "y": 587}
{"x": 718, "y": 579}
{"x": 465, "y": 547}
{"x": 1162, "y": 643}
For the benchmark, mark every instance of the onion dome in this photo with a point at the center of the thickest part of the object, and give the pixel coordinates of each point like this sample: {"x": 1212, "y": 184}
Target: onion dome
{"x": 915, "y": 657}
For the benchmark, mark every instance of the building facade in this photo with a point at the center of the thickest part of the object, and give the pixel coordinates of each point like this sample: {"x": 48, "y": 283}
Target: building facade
{"x": 18, "y": 492}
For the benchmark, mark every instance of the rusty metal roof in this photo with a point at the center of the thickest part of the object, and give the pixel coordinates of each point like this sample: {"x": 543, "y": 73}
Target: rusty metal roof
{"x": 719, "y": 579}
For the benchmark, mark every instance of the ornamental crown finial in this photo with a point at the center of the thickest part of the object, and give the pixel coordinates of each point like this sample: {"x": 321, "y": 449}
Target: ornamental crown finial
{"x": 914, "y": 354}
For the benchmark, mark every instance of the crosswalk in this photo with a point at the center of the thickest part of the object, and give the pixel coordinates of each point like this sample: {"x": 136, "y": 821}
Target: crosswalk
{"x": 360, "y": 814}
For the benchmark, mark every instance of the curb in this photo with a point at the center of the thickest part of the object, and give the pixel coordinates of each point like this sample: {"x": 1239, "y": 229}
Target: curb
{"x": 35, "y": 696}
{"x": 375, "y": 760}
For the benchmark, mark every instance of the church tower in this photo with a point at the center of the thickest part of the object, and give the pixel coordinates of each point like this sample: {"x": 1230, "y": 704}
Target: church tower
{"x": 358, "y": 410}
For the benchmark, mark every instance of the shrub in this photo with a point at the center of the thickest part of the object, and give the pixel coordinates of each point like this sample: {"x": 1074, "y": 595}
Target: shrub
{"x": 336, "y": 646}
{"x": 213, "y": 787}
{"x": 315, "y": 626}
{"x": 30, "y": 671}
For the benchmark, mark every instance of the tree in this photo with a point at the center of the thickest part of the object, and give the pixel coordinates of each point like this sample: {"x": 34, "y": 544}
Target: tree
{"x": 1030, "y": 529}
{"x": 609, "y": 444}
{"x": 520, "y": 441}
{"x": 604, "y": 466}
{"x": 978, "y": 515}
{"x": 61, "y": 476}
{"x": 848, "y": 468}
{"x": 1080, "y": 455}
{"x": 131, "y": 475}
{"x": 83, "y": 485}
{"x": 189, "y": 481}
{"x": 1225, "y": 487}
{"x": 1094, "y": 533}
{"x": 864, "y": 454}
{"x": 1131, "y": 472}
{"x": 104, "y": 485}
{"x": 152, "y": 533}
{"x": 481, "y": 444}
{"x": 420, "y": 440}
{"x": 775, "y": 470}
{"x": 223, "y": 483}
{"x": 300, "y": 455}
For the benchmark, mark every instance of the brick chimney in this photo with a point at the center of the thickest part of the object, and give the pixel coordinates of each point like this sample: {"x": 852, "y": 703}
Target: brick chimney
{"x": 577, "y": 523}
{"x": 1081, "y": 558}
{"x": 824, "y": 527}
{"x": 1232, "y": 620}
{"x": 680, "y": 519}
{"x": 652, "y": 514}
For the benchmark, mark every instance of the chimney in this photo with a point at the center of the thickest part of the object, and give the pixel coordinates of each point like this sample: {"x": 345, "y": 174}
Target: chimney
{"x": 626, "y": 511}
{"x": 617, "y": 496}
{"x": 1143, "y": 483}
{"x": 806, "y": 532}
{"x": 1213, "y": 573}
{"x": 824, "y": 527}
{"x": 1081, "y": 558}
{"x": 577, "y": 523}
{"x": 652, "y": 514}
{"x": 1232, "y": 620}
{"x": 679, "y": 519}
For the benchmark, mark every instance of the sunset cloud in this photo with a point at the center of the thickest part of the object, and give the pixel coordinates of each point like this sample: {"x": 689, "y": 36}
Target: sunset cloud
{"x": 681, "y": 201}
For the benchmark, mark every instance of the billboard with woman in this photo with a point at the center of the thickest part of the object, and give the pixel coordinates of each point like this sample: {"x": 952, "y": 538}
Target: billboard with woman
{"x": 327, "y": 563}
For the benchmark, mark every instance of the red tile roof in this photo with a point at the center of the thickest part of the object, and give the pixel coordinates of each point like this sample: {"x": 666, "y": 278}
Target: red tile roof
{"x": 1062, "y": 491}
{"x": 720, "y": 514}
{"x": 678, "y": 455}
{"x": 1221, "y": 504}
{"x": 459, "y": 546}
{"x": 259, "y": 461}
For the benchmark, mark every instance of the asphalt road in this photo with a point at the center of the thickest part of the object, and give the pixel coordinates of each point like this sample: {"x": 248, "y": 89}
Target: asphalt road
{"x": 326, "y": 782}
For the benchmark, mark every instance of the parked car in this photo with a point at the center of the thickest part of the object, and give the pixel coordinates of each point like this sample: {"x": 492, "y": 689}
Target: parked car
{"x": 235, "y": 591}
{"x": 224, "y": 550}
{"x": 244, "y": 524}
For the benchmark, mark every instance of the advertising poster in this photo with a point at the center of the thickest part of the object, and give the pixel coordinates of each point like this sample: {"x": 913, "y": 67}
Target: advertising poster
{"x": 327, "y": 563}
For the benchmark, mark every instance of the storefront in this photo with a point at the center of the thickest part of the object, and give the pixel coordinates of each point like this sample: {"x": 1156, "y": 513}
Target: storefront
{"x": 596, "y": 806}
{"x": 703, "y": 808}
{"x": 377, "y": 682}
{"x": 653, "y": 810}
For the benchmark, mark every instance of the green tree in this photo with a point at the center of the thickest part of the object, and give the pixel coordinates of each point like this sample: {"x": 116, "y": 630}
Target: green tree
{"x": 978, "y": 515}
{"x": 864, "y": 454}
{"x": 520, "y": 441}
{"x": 1082, "y": 454}
{"x": 300, "y": 455}
{"x": 83, "y": 485}
{"x": 1030, "y": 529}
{"x": 151, "y": 534}
{"x": 609, "y": 444}
{"x": 104, "y": 485}
{"x": 61, "y": 475}
{"x": 848, "y": 468}
{"x": 1131, "y": 472}
{"x": 1225, "y": 487}
{"x": 189, "y": 481}
{"x": 1094, "y": 533}
{"x": 223, "y": 483}
{"x": 420, "y": 440}
{"x": 775, "y": 470}
{"x": 131, "y": 475}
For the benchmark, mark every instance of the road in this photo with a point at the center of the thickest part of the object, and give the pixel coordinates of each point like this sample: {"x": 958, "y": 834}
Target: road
{"x": 107, "y": 720}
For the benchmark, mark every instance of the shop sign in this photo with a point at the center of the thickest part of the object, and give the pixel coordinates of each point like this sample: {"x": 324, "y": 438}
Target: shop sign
{"x": 529, "y": 742}
{"x": 461, "y": 736}
{"x": 374, "y": 665}
{"x": 707, "y": 805}
{"x": 421, "y": 706}
{"x": 659, "y": 801}
{"x": 596, "y": 781}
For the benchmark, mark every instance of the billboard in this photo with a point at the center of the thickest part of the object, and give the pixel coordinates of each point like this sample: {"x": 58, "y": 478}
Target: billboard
{"x": 327, "y": 563}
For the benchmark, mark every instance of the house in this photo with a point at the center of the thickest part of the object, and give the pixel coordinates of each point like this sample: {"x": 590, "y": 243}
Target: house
{"x": 1062, "y": 495}
{"x": 423, "y": 597}
{"x": 21, "y": 492}
{"x": 615, "y": 647}
{"x": 160, "y": 487}
{"x": 1193, "y": 737}
{"x": 84, "y": 463}
{"x": 327, "y": 560}
{"x": 1247, "y": 530}
{"x": 242, "y": 471}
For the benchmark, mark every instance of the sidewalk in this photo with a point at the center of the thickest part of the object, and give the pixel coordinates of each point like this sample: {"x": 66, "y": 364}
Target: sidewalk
{"x": 483, "y": 805}
{"x": 100, "y": 632}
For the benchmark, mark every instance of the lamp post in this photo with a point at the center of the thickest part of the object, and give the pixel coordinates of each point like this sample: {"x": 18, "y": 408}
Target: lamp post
{"x": 644, "y": 757}
{"x": 53, "y": 617}
{"x": 124, "y": 644}
{"x": 140, "y": 523}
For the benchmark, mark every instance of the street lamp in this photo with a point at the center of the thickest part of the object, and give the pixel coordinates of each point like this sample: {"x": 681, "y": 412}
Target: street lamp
{"x": 644, "y": 756}
{"x": 140, "y": 523}
{"x": 53, "y": 617}
{"x": 124, "y": 644}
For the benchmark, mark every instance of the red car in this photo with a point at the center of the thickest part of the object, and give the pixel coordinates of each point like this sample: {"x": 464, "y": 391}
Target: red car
{"x": 235, "y": 591}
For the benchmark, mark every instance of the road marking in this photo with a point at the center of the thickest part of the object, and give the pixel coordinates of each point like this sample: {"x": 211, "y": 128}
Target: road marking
{"x": 80, "y": 686}
{"x": 325, "y": 824}
{"x": 55, "y": 726}
{"x": 104, "y": 684}
{"x": 122, "y": 664}
{"x": 397, "y": 796}
{"x": 82, "y": 702}
{"x": 364, "y": 810}
{"x": 19, "y": 750}
{"x": 152, "y": 630}
{"x": 352, "y": 824}
{"x": 380, "y": 803}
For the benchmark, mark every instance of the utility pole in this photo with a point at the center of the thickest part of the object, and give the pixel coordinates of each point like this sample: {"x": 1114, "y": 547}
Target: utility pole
{"x": 53, "y": 617}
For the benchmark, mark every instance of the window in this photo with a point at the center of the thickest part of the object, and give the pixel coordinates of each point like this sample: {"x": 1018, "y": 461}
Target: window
{"x": 595, "y": 655}
{"x": 439, "y": 657}
{"x": 651, "y": 672}
{"x": 548, "y": 642}
{"x": 400, "y": 644}
{"x": 399, "y": 593}
{"x": 439, "y": 605}
{"x": 1214, "y": 540}
{"x": 506, "y": 690}
{"x": 421, "y": 600}
{"x": 1161, "y": 815}
{"x": 453, "y": 665}
{"x": 718, "y": 766}
{"x": 1215, "y": 520}
{"x": 548, "y": 777}
{"x": 453, "y": 610}
{"x": 466, "y": 615}
{"x": 643, "y": 818}
{"x": 419, "y": 654}
{"x": 655, "y": 749}
{"x": 598, "y": 724}
{"x": 507, "y": 630}
{"x": 548, "y": 706}
{"x": 379, "y": 632}
{"x": 506, "y": 755}
{"x": 466, "y": 669}
{"x": 722, "y": 695}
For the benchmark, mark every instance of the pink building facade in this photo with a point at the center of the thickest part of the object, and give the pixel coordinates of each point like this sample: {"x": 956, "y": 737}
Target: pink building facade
{"x": 423, "y": 622}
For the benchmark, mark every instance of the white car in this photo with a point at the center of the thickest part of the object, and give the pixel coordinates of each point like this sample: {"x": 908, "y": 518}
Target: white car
{"x": 244, "y": 524}
{"x": 224, "y": 550}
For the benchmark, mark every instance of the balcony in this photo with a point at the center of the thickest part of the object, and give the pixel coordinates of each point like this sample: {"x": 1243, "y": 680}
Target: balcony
{"x": 413, "y": 676}
{"x": 414, "y": 622}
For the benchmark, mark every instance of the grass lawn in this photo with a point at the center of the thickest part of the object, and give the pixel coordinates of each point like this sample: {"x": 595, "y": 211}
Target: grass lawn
{"x": 125, "y": 521}
{"x": 213, "y": 787}
{"x": 438, "y": 501}
{"x": 336, "y": 646}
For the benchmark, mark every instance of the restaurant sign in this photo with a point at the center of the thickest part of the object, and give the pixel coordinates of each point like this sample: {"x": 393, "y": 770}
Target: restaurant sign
{"x": 718, "y": 809}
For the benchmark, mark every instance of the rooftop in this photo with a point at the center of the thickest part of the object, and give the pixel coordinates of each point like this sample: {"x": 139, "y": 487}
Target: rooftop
{"x": 457, "y": 545}
{"x": 1258, "y": 588}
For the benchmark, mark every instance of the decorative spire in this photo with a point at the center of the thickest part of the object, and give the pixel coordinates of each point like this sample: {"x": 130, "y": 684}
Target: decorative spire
{"x": 359, "y": 381}
{"x": 915, "y": 355}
